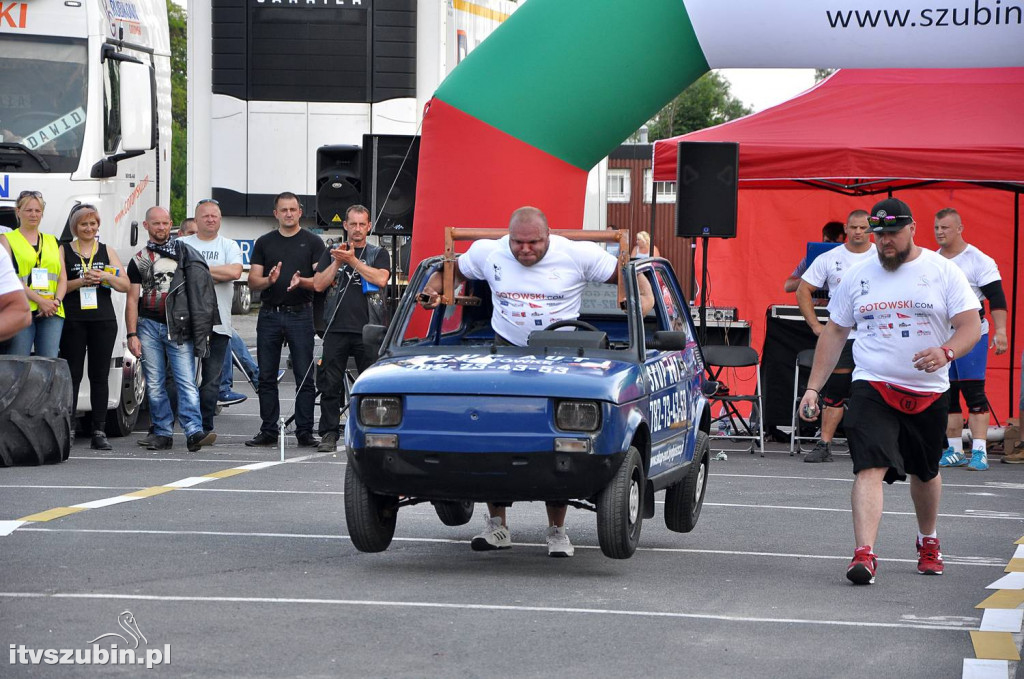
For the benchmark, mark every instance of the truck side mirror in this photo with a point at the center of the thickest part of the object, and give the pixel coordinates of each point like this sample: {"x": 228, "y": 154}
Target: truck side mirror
{"x": 136, "y": 109}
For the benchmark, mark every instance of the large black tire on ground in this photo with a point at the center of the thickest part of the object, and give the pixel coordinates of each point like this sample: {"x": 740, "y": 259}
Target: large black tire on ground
{"x": 35, "y": 410}
{"x": 684, "y": 499}
{"x": 620, "y": 508}
{"x": 370, "y": 517}
{"x": 454, "y": 512}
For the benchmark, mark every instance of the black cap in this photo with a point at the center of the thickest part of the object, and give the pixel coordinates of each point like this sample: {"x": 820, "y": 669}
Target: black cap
{"x": 889, "y": 215}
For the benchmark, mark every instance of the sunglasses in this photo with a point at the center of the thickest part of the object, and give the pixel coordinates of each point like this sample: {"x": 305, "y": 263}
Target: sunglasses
{"x": 887, "y": 220}
{"x": 208, "y": 200}
{"x": 33, "y": 194}
{"x": 83, "y": 206}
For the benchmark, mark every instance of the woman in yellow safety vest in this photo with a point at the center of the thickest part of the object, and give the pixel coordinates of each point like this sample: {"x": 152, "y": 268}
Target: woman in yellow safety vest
{"x": 37, "y": 258}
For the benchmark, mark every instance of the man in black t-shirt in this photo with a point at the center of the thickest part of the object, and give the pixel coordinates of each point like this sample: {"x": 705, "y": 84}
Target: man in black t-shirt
{"x": 281, "y": 270}
{"x": 349, "y": 267}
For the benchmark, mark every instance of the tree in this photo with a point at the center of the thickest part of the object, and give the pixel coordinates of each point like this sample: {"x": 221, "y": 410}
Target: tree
{"x": 705, "y": 103}
{"x": 176, "y": 20}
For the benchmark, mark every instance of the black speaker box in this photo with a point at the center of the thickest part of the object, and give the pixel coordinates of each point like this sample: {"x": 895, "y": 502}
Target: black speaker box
{"x": 338, "y": 183}
{"x": 707, "y": 175}
{"x": 390, "y": 164}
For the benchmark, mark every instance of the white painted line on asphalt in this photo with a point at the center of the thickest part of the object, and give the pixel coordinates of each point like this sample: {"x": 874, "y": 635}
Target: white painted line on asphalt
{"x": 1002, "y": 620}
{"x": 975, "y": 668}
{"x": 1009, "y": 581}
{"x": 988, "y": 485}
{"x": 260, "y": 465}
{"x": 107, "y": 502}
{"x": 986, "y": 562}
{"x": 1019, "y": 554}
{"x": 8, "y": 527}
{"x": 188, "y": 482}
{"x": 471, "y": 607}
{"x": 967, "y": 515}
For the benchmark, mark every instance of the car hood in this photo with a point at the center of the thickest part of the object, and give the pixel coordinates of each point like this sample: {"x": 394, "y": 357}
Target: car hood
{"x": 596, "y": 378}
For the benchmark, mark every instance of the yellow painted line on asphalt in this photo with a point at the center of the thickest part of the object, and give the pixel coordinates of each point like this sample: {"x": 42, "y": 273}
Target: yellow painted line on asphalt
{"x": 149, "y": 492}
{"x": 227, "y": 472}
{"x": 51, "y": 514}
{"x": 1004, "y": 598}
{"x": 994, "y": 646}
{"x": 1015, "y": 566}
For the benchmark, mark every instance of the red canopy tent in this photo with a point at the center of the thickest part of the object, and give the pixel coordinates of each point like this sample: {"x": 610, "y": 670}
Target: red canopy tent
{"x": 933, "y": 137}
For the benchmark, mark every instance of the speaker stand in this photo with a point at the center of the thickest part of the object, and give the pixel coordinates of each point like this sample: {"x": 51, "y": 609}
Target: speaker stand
{"x": 703, "y": 312}
{"x": 394, "y": 290}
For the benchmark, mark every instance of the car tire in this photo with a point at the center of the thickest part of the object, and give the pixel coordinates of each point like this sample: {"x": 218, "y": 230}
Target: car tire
{"x": 35, "y": 410}
{"x": 454, "y": 512}
{"x": 241, "y": 300}
{"x": 370, "y": 517}
{"x": 121, "y": 420}
{"x": 684, "y": 500}
{"x": 620, "y": 509}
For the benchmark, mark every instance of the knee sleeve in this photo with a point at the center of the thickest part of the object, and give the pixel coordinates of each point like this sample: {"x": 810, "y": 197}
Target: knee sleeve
{"x": 974, "y": 396}
{"x": 954, "y": 398}
{"x": 837, "y": 390}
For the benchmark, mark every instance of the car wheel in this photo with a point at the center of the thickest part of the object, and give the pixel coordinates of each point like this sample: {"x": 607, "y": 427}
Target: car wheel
{"x": 35, "y": 410}
{"x": 620, "y": 509}
{"x": 241, "y": 302}
{"x": 370, "y": 517}
{"x": 455, "y": 512}
{"x": 684, "y": 500}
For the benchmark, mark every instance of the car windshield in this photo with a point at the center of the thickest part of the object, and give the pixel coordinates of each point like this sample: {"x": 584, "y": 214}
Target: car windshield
{"x": 42, "y": 103}
{"x": 468, "y": 325}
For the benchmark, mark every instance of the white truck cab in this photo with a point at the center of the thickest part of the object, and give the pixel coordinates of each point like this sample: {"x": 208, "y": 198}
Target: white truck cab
{"x": 85, "y": 117}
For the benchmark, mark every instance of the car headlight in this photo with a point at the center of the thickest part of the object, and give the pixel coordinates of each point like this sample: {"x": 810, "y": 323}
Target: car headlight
{"x": 578, "y": 415}
{"x": 380, "y": 411}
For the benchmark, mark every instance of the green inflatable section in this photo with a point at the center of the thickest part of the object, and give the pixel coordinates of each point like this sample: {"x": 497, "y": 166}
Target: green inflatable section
{"x": 573, "y": 77}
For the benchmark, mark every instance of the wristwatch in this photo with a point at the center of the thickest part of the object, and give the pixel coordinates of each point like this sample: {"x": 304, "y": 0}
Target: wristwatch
{"x": 949, "y": 354}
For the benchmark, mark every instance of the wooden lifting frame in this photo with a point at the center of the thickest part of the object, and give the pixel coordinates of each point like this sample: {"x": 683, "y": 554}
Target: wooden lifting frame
{"x": 452, "y": 234}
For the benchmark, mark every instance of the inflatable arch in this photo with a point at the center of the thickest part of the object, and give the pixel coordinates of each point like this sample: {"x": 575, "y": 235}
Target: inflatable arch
{"x": 562, "y": 82}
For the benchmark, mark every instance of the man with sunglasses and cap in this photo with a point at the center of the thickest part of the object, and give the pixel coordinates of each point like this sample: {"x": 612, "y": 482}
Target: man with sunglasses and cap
{"x": 915, "y": 313}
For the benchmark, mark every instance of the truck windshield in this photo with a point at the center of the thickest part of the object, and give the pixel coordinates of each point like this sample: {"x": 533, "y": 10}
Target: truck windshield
{"x": 42, "y": 103}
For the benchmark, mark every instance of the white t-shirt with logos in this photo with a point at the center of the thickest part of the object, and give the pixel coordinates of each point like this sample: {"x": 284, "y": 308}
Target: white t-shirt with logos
{"x": 828, "y": 268}
{"x": 9, "y": 281}
{"x": 980, "y": 270}
{"x": 218, "y": 252}
{"x": 528, "y": 298}
{"x": 900, "y": 313}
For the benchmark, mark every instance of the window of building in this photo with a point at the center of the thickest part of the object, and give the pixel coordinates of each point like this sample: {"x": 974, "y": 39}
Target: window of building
{"x": 666, "y": 190}
{"x": 618, "y": 186}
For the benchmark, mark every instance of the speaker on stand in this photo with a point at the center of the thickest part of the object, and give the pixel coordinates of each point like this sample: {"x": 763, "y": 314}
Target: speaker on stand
{"x": 389, "y": 168}
{"x": 338, "y": 183}
{"x": 707, "y": 182}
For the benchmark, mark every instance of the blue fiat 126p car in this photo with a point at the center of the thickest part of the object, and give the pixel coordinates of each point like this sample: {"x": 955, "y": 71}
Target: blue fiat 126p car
{"x": 603, "y": 413}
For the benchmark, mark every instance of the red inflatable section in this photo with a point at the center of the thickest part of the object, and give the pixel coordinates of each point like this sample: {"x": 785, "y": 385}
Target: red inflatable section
{"x": 468, "y": 162}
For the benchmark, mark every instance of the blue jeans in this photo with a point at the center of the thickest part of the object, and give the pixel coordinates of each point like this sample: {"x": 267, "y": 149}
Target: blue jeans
{"x": 44, "y": 333}
{"x": 160, "y": 354}
{"x": 273, "y": 327}
{"x": 237, "y": 347}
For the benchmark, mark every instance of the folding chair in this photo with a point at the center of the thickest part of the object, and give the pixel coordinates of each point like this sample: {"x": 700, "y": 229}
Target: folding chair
{"x": 804, "y": 361}
{"x": 717, "y": 358}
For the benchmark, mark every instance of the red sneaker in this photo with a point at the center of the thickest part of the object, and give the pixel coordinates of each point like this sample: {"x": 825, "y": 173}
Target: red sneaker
{"x": 929, "y": 558}
{"x": 862, "y": 569}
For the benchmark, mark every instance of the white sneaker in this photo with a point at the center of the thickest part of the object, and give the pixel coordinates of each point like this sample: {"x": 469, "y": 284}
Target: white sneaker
{"x": 495, "y": 536}
{"x": 558, "y": 542}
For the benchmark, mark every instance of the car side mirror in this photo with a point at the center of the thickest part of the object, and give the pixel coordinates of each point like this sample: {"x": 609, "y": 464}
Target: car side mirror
{"x": 668, "y": 340}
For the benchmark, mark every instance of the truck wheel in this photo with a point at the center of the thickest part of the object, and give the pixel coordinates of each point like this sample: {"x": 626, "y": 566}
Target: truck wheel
{"x": 684, "y": 500}
{"x": 454, "y": 513}
{"x": 370, "y": 517}
{"x": 241, "y": 301}
{"x": 620, "y": 509}
{"x": 121, "y": 420}
{"x": 35, "y": 410}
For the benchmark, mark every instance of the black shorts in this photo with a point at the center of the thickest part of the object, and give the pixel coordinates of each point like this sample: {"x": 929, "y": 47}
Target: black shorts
{"x": 881, "y": 436}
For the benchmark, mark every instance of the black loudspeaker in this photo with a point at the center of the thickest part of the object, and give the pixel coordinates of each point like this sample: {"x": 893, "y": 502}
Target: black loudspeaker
{"x": 390, "y": 164}
{"x": 707, "y": 175}
{"x": 338, "y": 184}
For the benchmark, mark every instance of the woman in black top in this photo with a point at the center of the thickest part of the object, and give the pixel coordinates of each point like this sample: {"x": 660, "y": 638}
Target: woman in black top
{"x": 89, "y": 322}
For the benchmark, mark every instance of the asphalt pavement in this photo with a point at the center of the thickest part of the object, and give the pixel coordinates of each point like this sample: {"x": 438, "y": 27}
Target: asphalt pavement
{"x": 238, "y": 565}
